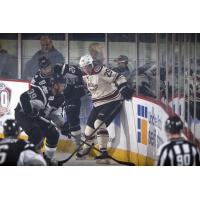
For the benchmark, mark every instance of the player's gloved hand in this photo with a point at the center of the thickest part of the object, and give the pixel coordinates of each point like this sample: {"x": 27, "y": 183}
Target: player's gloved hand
{"x": 126, "y": 92}
{"x": 58, "y": 101}
{"x": 70, "y": 108}
{"x": 65, "y": 130}
{"x": 42, "y": 113}
{"x": 33, "y": 114}
{"x": 72, "y": 105}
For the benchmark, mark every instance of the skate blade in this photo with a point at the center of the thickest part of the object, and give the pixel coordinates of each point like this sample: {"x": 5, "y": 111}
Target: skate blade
{"x": 105, "y": 161}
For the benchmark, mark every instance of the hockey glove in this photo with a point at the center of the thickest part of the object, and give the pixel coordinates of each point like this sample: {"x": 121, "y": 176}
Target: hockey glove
{"x": 33, "y": 114}
{"x": 126, "y": 92}
{"x": 58, "y": 101}
{"x": 65, "y": 130}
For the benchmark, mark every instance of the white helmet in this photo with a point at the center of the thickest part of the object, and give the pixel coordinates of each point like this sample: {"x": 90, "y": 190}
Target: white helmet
{"x": 85, "y": 60}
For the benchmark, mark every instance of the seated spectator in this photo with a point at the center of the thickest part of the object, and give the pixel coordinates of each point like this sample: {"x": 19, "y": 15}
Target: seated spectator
{"x": 97, "y": 52}
{"x": 122, "y": 66}
{"x": 194, "y": 94}
{"x": 8, "y": 64}
{"x": 47, "y": 50}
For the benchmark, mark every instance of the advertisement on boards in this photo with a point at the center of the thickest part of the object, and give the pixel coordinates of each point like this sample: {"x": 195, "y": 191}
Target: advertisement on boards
{"x": 10, "y": 92}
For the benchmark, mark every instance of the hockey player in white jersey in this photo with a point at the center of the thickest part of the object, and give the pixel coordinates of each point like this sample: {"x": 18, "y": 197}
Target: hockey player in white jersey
{"x": 108, "y": 89}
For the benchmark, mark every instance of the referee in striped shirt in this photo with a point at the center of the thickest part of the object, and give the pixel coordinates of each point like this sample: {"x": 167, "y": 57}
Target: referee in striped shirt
{"x": 177, "y": 151}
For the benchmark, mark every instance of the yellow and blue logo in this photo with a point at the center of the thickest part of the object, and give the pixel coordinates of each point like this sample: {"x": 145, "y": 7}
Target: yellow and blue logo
{"x": 142, "y": 122}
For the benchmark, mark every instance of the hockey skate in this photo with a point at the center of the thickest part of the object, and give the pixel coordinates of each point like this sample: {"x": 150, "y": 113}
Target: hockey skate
{"x": 103, "y": 157}
{"x": 50, "y": 162}
{"x": 83, "y": 152}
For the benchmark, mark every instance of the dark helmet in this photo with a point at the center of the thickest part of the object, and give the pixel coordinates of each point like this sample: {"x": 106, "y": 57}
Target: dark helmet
{"x": 44, "y": 62}
{"x": 173, "y": 125}
{"x": 11, "y": 128}
{"x": 57, "y": 79}
{"x": 58, "y": 69}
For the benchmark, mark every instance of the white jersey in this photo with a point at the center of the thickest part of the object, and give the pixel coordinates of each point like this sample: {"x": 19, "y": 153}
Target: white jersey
{"x": 102, "y": 84}
{"x": 30, "y": 158}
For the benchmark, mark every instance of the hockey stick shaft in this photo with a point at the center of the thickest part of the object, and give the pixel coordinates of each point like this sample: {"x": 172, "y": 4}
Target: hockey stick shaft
{"x": 85, "y": 142}
{"x": 80, "y": 146}
{"x": 53, "y": 124}
{"x": 92, "y": 146}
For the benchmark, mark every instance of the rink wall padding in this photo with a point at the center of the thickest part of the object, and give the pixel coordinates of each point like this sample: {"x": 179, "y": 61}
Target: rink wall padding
{"x": 135, "y": 134}
{"x": 10, "y": 91}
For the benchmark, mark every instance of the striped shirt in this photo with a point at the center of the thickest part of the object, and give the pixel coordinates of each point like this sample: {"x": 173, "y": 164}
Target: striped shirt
{"x": 178, "y": 152}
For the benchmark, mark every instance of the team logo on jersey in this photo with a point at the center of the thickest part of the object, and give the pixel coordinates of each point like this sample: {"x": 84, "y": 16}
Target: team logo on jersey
{"x": 97, "y": 68}
{"x": 142, "y": 122}
{"x": 5, "y": 96}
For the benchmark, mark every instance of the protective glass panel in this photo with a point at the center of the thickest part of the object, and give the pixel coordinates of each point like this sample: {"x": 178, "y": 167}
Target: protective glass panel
{"x": 161, "y": 70}
{"x": 81, "y": 44}
{"x": 122, "y": 55}
{"x": 8, "y": 55}
{"x": 147, "y": 65}
{"x": 86, "y": 43}
{"x": 192, "y": 104}
{"x": 35, "y": 46}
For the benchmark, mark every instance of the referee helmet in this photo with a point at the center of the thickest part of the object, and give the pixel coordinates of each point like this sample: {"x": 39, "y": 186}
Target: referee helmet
{"x": 173, "y": 125}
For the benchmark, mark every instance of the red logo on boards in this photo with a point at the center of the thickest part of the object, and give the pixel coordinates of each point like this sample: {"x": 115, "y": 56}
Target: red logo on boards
{"x": 5, "y": 96}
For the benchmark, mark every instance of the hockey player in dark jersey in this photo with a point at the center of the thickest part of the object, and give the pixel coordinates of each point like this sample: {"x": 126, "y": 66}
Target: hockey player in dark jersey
{"x": 43, "y": 76}
{"x": 108, "y": 89}
{"x": 33, "y": 104}
{"x": 74, "y": 90}
{"x": 14, "y": 151}
{"x": 177, "y": 151}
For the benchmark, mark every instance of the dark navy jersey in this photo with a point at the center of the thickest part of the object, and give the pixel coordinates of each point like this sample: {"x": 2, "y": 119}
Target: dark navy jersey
{"x": 35, "y": 103}
{"x": 11, "y": 149}
{"x": 178, "y": 152}
{"x": 33, "y": 99}
{"x": 74, "y": 81}
{"x": 42, "y": 82}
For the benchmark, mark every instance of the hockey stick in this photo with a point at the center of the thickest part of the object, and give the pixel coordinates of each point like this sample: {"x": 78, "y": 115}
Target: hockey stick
{"x": 53, "y": 124}
{"x": 91, "y": 146}
{"x": 80, "y": 146}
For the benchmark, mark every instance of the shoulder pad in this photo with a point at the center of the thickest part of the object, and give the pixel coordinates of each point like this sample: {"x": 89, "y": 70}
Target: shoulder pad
{"x": 25, "y": 144}
{"x": 58, "y": 65}
{"x": 38, "y": 90}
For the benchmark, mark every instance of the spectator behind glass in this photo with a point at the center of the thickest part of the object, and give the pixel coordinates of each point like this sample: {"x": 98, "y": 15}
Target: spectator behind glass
{"x": 47, "y": 50}
{"x": 122, "y": 65}
{"x": 97, "y": 52}
{"x": 8, "y": 64}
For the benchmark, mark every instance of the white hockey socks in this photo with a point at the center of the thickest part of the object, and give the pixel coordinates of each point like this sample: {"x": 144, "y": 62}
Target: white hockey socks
{"x": 77, "y": 134}
{"x": 49, "y": 152}
{"x": 102, "y": 134}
